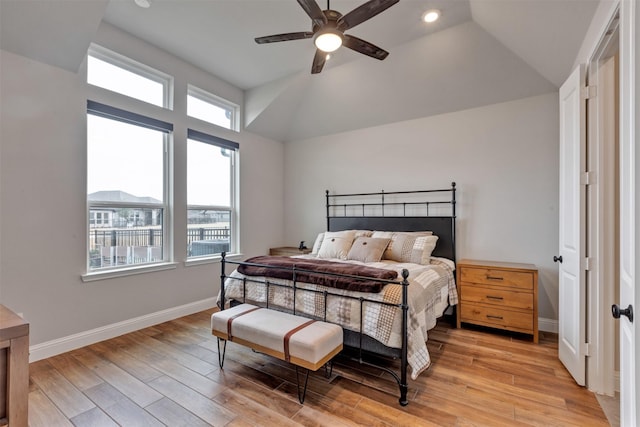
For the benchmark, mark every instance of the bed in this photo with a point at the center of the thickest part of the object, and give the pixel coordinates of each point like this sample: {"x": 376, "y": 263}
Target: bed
{"x": 385, "y": 300}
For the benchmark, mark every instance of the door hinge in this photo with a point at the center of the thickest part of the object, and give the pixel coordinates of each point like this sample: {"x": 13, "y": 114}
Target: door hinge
{"x": 585, "y": 349}
{"x": 589, "y": 92}
{"x": 588, "y": 178}
{"x": 587, "y": 262}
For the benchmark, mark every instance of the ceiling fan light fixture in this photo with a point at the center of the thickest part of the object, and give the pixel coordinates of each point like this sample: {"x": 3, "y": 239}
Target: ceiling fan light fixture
{"x": 328, "y": 40}
{"x": 431, "y": 15}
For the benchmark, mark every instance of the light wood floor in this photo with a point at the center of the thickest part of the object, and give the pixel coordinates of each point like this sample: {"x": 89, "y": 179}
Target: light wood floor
{"x": 169, "y": 375}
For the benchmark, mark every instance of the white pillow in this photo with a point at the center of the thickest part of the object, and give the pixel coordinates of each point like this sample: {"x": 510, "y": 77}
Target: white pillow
{"x": 362, "y": 233}
{"x": 336, "y": 244}
{"x": 317, "y": 243}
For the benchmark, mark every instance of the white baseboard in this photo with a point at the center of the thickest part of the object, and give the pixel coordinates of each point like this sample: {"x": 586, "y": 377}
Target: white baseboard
{"x": 81, "y": 339}
{"x": 548, "y": 325}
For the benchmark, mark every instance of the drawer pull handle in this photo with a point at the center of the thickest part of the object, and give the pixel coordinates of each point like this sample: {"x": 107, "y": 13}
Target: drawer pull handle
{"x": 494, "y": 317}
{"x": 494, "y": 297}
{"x": 494, "y": 278}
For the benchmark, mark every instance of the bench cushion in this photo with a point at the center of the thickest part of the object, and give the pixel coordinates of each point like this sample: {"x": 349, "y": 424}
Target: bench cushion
{"x": 264, "y": 330}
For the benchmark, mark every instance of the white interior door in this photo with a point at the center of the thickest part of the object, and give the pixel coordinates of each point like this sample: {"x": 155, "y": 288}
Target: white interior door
{"x": 572, "y": 304}
{"x": 629, "y": 221}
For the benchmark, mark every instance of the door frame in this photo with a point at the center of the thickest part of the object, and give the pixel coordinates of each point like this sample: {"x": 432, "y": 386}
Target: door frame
{"x": 629, "y": 197}
{"x": 602, "y": 215}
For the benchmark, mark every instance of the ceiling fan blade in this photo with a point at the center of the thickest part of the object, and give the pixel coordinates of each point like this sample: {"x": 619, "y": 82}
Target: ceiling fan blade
{"x": 314, "y": 11}
{"x": 363, "y": 12}
{"x": 318, "y": 61}
{"x": 364, "y": 47}
{"x": 284, "y": 37}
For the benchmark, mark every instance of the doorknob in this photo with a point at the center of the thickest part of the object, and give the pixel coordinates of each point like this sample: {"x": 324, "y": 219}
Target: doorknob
{"x": 557, "y": 259}
{"x": 617, "y": 312}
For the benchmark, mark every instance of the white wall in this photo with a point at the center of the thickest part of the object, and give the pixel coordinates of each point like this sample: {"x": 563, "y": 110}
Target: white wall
{"x": 503, "y": 157}
{"x": 43, "y": 199}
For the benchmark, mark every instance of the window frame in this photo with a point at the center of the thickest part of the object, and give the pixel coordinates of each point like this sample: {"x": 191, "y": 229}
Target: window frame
{"x": 234, "y": 148}
{"x": 166, "y": 129}
{"x": 135, "y": 67}
{"x": 216, "y": 101}
{"x": 132, "y": 110}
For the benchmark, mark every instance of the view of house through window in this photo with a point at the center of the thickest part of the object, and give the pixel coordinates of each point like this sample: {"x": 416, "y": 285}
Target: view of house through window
{"x": 125, "y": 192}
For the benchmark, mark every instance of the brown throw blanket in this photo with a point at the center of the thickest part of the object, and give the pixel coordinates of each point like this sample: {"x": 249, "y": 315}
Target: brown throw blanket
{"x": 281, "y": 267}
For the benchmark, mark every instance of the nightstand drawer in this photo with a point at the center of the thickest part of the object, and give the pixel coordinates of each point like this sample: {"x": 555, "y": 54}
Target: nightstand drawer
{"x": 470, "y": 292}
{"x": 495, "y": 277}
{"x": 497, "y": 317}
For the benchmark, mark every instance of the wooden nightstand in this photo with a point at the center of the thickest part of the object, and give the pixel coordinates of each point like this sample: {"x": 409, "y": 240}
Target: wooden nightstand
{"x": 14, "y": 369}
{"x": 288, "y": 251}
{"x": 500, "y": 295}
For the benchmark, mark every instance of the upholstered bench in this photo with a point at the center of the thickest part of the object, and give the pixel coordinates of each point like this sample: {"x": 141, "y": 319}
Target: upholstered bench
{"x": 301, "y": 341}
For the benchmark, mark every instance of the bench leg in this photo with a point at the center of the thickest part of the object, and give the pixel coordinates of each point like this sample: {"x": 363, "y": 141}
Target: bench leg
{"x": 302, "y": 394}
{"x": 328, "y": 369}
{"x": 221, "y": 353}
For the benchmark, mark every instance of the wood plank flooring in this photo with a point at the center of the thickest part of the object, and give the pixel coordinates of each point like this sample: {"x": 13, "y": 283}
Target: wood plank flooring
{"x": 168, "y": 374}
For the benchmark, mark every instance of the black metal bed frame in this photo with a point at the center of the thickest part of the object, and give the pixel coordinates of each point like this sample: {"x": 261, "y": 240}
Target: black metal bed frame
{"x": 442, "y": 226}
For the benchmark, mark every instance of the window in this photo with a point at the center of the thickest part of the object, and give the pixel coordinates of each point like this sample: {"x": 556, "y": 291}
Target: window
{"x": 210, "y": 194}
{"x": 117, "y": 73}
{"x": 100, "y": 218}
{"x": 130, "y": 168}
{"x": 126, "y": 187}
{"x": 212, "y": 109}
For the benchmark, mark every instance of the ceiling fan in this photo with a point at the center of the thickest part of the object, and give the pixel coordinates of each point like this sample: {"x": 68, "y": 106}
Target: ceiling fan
{"x": 328, "y": 30}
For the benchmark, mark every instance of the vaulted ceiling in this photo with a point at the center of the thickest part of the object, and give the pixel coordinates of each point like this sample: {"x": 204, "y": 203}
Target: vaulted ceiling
{"x": 480, "y": 52}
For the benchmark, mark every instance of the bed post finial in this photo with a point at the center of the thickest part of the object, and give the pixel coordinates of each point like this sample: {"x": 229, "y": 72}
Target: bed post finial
{"x": 327, "y": 206}
{"x": 453, "y": 184}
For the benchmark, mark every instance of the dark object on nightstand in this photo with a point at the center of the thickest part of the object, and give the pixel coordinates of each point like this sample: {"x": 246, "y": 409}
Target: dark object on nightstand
{"x": 302, "y": 247}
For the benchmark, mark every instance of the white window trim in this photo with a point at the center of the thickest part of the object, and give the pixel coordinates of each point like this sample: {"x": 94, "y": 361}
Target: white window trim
{"x": 234, "y": 222}
{"x": 210, "y": 98}
{"x": 166, "y": 80}
{"x": 128, "y": 271}
{"x": 167, "y": 220}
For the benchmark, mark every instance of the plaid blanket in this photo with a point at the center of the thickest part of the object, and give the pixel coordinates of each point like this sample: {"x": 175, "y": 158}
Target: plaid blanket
{"x": 430, "y": 287}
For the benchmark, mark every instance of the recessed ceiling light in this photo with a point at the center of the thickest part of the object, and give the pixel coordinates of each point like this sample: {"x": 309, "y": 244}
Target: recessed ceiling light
{"x": 431, "y": 15}
{"x": 145, "y": 4}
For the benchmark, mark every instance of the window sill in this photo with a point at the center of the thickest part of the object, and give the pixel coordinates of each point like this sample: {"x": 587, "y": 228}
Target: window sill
{"x": 124, "y": 272}
{"x": 210, "y": 260}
